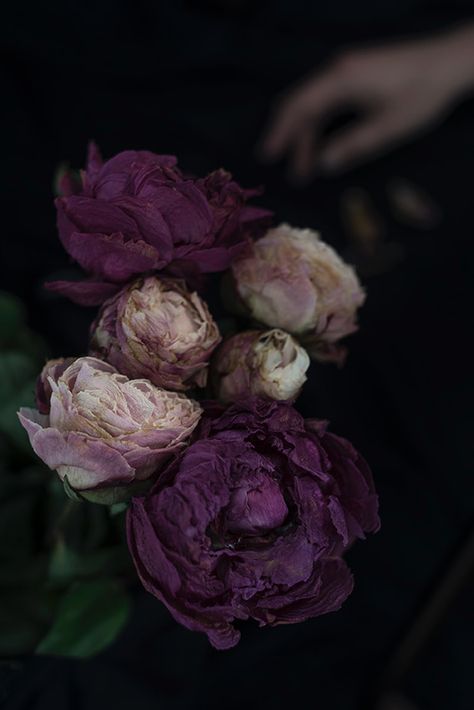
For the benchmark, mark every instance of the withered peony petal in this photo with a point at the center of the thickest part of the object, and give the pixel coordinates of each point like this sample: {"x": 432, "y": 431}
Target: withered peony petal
{"x": 104, "y": 430}
{"x": 157, "y": 329}
{"x": 242, "y": 525}
{"x": 194, "y": 225}
{"x": 84, "y": 293}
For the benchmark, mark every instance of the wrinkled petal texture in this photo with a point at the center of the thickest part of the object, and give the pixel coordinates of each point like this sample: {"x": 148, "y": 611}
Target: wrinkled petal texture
{"x": 157, "y": 329}
{"x": 268, "y": 363}
{"x": 101, "y": 429}
{"x": 137, "y": 213}
{"x": 52, "y": 370}
{"x": 252, "y": 520}
{"x": 292, "y": 280}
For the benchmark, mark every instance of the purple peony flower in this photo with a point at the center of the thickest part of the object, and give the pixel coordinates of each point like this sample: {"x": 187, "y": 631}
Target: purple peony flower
{"x": 104, "y": 434}
{"x": 252, "y": 520}
{"x": 138, "y": 213}
{"x": 156, "y": 328}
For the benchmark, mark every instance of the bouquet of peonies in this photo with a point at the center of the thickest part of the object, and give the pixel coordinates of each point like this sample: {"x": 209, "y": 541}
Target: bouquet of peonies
{"x": 238, "y": 507}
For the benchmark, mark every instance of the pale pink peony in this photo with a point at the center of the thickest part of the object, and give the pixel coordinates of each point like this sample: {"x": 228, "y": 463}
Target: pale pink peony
{"x": 294, "y": 281}
{"x": 106, "y": 434}
{"x": 268, "y": 363}
{"x": 157, "y": 329}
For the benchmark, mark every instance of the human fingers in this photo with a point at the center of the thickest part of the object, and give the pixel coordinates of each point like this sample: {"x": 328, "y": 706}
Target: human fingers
{"x": 307, "y": 105}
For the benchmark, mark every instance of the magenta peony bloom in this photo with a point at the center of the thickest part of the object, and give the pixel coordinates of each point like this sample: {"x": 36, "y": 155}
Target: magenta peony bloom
{"x": 268, "y": 363}
{"x": 157, "y": 329}
{"x": 294, "y": 281}
{"x": 138, "y": 212}
{"x": 104, "y": 433}
{"x": 252, "y": 521}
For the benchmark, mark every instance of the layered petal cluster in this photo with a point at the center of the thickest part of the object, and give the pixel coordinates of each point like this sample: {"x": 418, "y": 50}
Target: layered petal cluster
{"x": 268, "y": 363}
{"x": 51, "y": 371}
{"x": 103, "y": 432}
{"x": 137, "y": 213}
{"x": 252, "y": 520}
{"x": 294, "y": 281}
{"x": 156, "y": 328}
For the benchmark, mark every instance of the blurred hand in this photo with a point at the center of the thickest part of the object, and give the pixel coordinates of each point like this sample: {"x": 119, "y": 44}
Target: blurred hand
{"x": 399, "y": 89}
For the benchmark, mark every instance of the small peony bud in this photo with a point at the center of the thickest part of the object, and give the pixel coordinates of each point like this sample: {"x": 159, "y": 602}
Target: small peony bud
{"x": 268, "y": 363}
{"x": 294, "y": 281}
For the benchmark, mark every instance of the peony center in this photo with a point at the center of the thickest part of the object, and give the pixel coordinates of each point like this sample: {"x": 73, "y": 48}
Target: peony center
{"x": 256, "y": 506}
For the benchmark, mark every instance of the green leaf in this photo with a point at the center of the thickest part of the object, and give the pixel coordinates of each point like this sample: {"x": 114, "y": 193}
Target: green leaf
{"x": 85, "y": 527}
{"x": 17, "y": 385}
{"x": 64, "y": 563}
{"x": 10, "y": 425}
{"x": 67, "y": 564}
{"x": 16, "y": 369}
{"x": 117, "y": 494}
{"x": 117, "y": 509}
{"x": 70, "y": 492}
{"x": 12, "y": 316}
{"x": 23, "y": 495}
{"x": 89, "y": 618}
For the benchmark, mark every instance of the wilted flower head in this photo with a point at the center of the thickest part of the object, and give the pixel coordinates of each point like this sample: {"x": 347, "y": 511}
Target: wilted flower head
{"x": 105, "y": 432}
{"x": 138, "y": 212}
{"x": 268, "y": 363}
{"x": 157, "y": 329}
{"x": 252, "y": 522}
{"x": 294, "y": 281}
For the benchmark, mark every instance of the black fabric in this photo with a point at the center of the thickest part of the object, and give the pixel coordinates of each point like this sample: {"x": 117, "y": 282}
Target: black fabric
{"x": 199, "y": 81}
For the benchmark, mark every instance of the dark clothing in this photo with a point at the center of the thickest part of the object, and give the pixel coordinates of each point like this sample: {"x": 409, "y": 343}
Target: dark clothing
{"x": 198, "y": 80}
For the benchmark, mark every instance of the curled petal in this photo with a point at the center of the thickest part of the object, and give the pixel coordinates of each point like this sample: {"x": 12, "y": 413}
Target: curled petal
{"x": 138, "y": 213}
{"x": 85, "y": 462}
{"x": 103, "y": 430}
{"x": 84, "y": 293}
{"x": 157, "y": 329}
{"x": 252, "y": 520}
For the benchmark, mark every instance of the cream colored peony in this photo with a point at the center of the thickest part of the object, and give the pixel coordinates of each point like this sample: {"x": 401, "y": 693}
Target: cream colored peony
{"x": 268, "y": 363}
{"x": 294, "y": 281}
{"x": 104, "y": 433}
{"x": 156, "y": 328}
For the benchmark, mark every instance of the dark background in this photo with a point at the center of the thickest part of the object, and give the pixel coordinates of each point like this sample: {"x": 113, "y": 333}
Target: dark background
{"x": 198, "y": 79}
